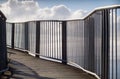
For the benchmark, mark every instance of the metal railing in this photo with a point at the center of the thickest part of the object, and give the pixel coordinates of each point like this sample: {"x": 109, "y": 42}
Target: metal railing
{"x": 92, "y": 42}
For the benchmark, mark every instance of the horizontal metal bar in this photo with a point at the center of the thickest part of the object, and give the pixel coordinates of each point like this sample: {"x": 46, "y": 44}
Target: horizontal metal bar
{"x": 101, "y": 8}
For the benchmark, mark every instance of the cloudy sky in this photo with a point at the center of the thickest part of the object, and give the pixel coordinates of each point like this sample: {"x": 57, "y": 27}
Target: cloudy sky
{"x": 24, "y": 10}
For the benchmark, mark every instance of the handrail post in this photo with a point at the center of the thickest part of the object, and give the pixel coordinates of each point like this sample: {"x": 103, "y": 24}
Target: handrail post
{"x": 13, "y": 34}
{"x": 26, "y": 36}
{"x": 91, "y": 38}
{"x": 37, "y": 38}
{"x": 64, "y": 42}
{"x": 3, "y": 52}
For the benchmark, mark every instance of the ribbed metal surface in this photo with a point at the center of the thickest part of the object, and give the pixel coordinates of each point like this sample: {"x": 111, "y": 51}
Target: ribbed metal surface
{"x": 92, "y": 42}
{"x": 97, "y": 42}
{"x": 75, "y": 42}
{"x": 114, "y": 44}
{"x": 32, "y": 37}
{"x": 9, "y": 33}
{"x": 51, "y": 39}
{"x": 93, "y": 35}
{"x": 19, "y": 39}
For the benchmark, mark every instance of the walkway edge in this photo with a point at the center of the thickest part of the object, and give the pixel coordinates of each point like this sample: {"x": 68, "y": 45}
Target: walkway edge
{"x": 79, "y": 67}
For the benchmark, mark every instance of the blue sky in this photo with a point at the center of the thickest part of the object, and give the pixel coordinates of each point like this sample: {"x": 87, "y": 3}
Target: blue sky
{"x": 78, "y": 4}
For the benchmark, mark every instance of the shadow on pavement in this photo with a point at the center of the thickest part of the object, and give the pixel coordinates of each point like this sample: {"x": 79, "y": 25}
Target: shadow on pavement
{"x": 18, "y": 70}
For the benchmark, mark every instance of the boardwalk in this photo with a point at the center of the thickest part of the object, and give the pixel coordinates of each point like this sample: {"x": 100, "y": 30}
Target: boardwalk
{"x": 24, "y": 66}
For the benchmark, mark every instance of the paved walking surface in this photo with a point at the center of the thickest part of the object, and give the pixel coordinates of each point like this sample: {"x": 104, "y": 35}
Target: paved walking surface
{"x": 24, "y": 66}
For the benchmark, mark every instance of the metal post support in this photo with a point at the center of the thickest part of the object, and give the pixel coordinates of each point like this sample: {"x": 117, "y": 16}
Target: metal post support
{"x": 64, "y": 42}
{"x": 37, "y": 38}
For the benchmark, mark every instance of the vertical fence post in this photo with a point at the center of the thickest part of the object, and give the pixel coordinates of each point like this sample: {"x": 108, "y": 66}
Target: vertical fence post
{"x": 105, "y": 44}
{"x": 3, "y": 49}
{"x": 37, "y": 38}
{"x": 64, "y": 42}
{"x": 91, "y": 44}
{"x": 13, "y": 34}
{"x": 26, "y": 36}
{"x": 86, "y": 43}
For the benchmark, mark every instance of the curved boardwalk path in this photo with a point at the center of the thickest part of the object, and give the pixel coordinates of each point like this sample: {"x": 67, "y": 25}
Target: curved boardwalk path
{"x": 24, "y": 66}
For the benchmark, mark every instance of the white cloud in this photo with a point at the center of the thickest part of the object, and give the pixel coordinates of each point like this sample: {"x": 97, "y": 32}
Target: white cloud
{"x": 78, "y": 14}
{"x": 19, "y": 10}
{"x": 25, "y": 10}
{"x": 56, "y": 12}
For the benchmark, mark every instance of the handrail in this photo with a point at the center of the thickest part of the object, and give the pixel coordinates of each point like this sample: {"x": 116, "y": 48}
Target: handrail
{"x": 102, "y": 8}
{"x": 36, "y": 20}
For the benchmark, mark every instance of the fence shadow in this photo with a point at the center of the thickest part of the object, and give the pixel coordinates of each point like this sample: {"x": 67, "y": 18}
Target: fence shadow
{"x": 18, "y": 70}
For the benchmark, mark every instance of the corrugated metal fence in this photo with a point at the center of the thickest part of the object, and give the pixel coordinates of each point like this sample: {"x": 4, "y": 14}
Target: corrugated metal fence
{"x": 91, "y": 42}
